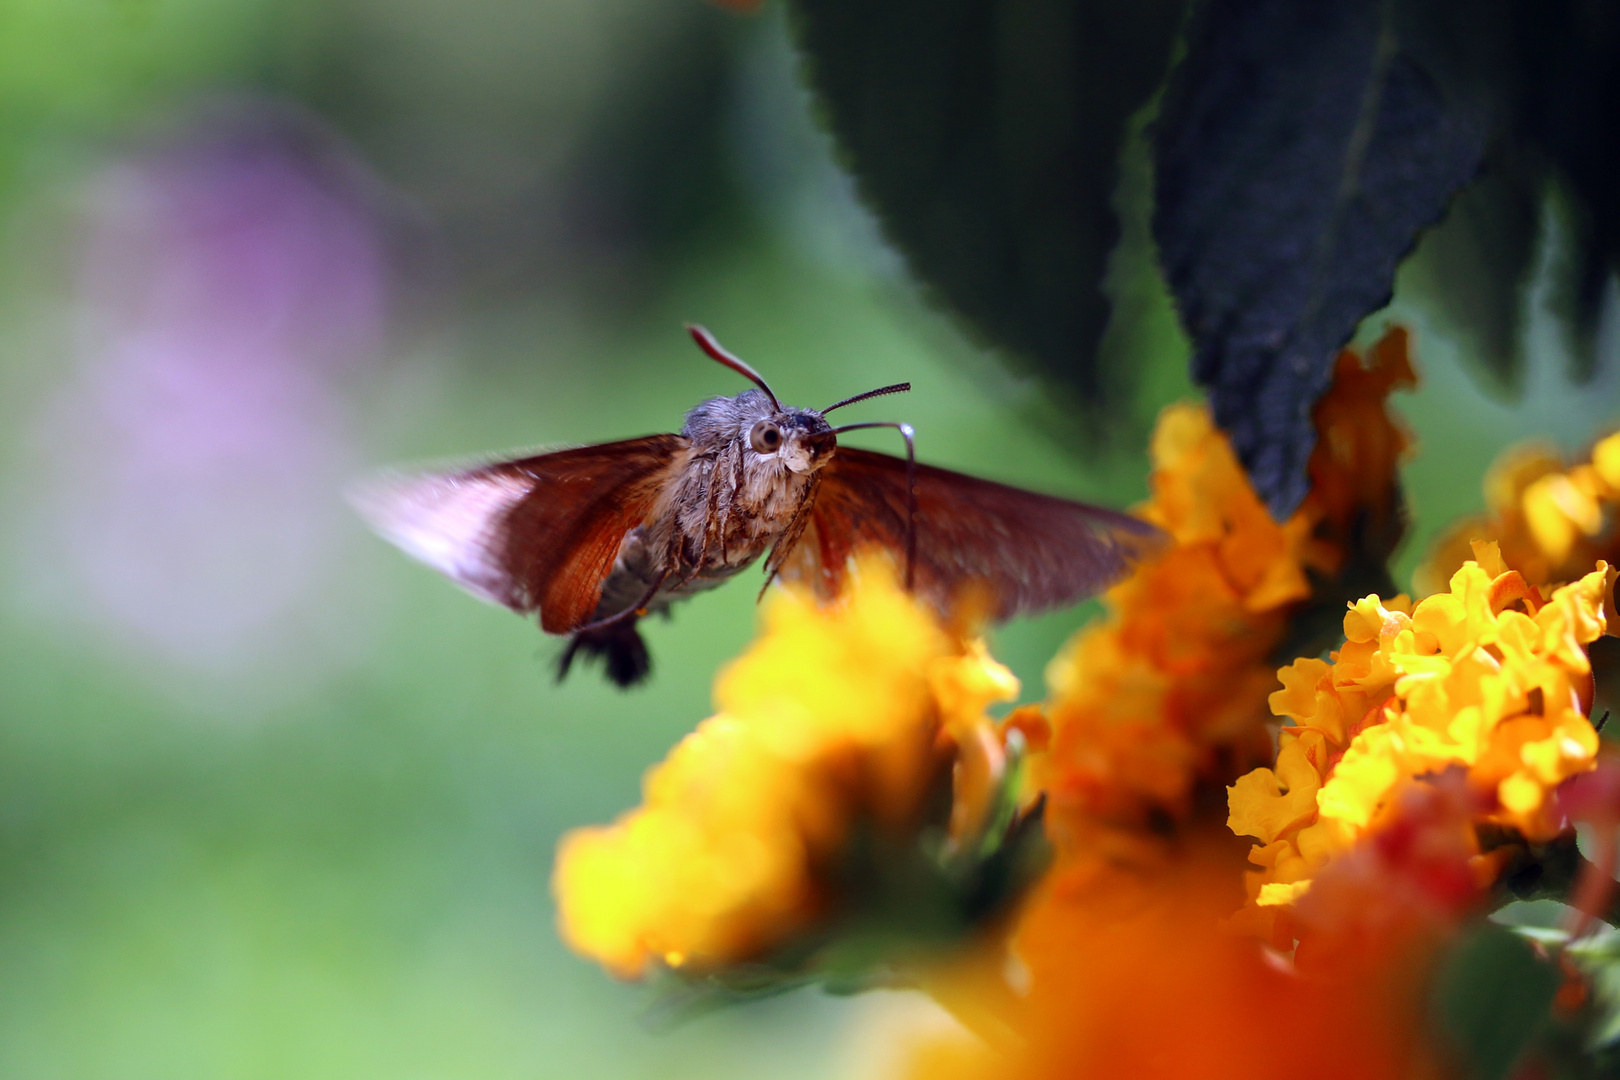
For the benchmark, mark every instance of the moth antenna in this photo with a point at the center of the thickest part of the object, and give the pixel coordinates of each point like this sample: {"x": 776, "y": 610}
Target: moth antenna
{"x": 907, "y": 433}
{"x": 897, "y": 388}
{"x": 716, "y": 351}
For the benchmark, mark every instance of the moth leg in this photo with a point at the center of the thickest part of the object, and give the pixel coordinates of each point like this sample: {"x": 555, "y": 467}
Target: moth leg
{"x": 729, "y": 498}
{"x": 790, "y": 536}
{"x": 711, "y": 527}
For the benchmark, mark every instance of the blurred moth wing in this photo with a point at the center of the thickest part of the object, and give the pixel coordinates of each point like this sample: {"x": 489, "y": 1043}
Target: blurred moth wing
{"x": 537, "y": 533}
{"x": 1033, "y": 552}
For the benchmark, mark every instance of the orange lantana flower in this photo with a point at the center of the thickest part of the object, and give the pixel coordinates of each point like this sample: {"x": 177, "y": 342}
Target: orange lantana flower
{"x": 1133, "y": 976}
{"x": 1171, "y": 687}
{"x": 1149, "y": 709}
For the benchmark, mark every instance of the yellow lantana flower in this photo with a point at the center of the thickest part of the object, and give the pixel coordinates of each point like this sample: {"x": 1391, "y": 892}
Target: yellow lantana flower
{"x": 838, "y": 718}
{"x": 1550, "y": 520}
{"x": 1486, "y": 676}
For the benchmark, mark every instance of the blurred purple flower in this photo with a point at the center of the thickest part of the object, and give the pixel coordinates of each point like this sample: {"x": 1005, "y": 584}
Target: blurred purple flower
{"x": 229, "y": 281}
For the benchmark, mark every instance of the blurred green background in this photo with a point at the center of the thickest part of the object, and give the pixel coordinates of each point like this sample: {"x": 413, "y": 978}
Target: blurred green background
{"x": 275, "y": 802}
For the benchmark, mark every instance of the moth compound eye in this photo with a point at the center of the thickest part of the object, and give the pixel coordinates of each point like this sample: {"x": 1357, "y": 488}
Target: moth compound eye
{"x": 766, "y": 438}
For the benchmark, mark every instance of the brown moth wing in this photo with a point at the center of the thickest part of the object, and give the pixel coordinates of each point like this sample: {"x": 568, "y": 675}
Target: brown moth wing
{"x": 539, "y": 532}
{"x": 1035, "y": 552}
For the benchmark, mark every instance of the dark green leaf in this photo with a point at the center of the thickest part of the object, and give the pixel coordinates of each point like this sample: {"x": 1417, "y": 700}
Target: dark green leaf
{"x": 1300, "y": 150}
{"x": 1596, "y": 954}
{"x": 1492, "y": 996}
{"x": 986, "y": 134}
{"x": 1567, "y": 101}
{"x": 1581, "y": 277}
{"x": 1604, "y": 654}
{"x": 1548, "y": 72}
{"x": 1472, "y": 269}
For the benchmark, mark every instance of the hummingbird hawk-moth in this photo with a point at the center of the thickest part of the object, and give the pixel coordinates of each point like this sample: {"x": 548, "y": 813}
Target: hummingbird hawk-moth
{"x": 597, "y": 537}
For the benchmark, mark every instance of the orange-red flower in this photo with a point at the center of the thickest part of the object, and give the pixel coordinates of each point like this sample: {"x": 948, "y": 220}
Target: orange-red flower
{"x": 1130, "y": 974}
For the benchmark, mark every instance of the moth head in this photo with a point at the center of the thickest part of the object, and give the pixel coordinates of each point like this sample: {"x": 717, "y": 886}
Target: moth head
{"x": 800, "y": 439}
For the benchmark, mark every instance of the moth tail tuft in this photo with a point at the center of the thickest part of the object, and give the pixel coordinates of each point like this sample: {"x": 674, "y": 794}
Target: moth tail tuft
{"x": 619, "y": 646}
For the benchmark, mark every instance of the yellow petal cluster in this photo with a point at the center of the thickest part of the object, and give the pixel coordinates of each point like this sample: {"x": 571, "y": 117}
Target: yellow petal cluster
{"x": 836, "y": 718}
{"x": 1486, "y": 676}
{"x": 1171, "y": 687}
{"x": 1550, "y": 520}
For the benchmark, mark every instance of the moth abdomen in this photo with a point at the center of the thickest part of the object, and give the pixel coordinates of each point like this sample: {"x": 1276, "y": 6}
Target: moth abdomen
{"x": 624, "y": 656}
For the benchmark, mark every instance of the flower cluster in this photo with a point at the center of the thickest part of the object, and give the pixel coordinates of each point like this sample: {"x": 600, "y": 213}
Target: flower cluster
{"x": 838, "y": 719}
{"x": 1170, "y": 689}
{"x": 1489, "y": 676}
{"x": 1152, "y": 707}
{"x": 858, "y": 731}
{"x": 1552, "y": 522}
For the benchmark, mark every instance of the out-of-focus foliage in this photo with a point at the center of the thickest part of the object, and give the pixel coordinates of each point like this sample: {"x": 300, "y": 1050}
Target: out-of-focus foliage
{"x": 1301, "y": 151}
{"x": 1493, "y": 995}
{"x": 988, "y": 133}
{"x": 1473, "y": 268}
